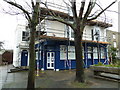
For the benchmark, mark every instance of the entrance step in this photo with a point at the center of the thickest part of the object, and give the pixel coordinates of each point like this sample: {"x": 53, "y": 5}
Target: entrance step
{"x": 17, "y": 70}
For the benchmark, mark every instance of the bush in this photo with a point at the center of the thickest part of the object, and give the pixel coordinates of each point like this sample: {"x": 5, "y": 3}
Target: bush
{"x": 99, "y": 64}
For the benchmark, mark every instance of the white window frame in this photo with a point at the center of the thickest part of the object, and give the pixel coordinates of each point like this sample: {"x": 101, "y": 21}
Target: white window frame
{"x": 89, "y": 52}
{"x": 63, "y": 50}
{"x": 115, "y": 44}
{"x": 71, "y": 52}
{"x": 114, "y": 37}
{"x": 102, "y": 53}
{"x": 36, "y": 55}
{"x": 25, "y": 37}
{"x": 95, "y": 53}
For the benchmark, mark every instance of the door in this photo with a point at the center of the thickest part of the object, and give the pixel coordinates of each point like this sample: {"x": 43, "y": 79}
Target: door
{"x": 24, "y": 58}
{"x": 50, "y": 60}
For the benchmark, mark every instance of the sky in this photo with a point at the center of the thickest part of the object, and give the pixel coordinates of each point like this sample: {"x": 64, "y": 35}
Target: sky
{"x": 8, "y": 23}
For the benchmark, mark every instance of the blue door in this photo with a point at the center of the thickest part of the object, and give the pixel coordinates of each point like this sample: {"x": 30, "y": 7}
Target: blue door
{"x": 24, "y": 58}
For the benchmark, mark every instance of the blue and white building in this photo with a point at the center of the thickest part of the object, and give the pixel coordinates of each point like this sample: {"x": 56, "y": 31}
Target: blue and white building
{"x": 55, "y": 49}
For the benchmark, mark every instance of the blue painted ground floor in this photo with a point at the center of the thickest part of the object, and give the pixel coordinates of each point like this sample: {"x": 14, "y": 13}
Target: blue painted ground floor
{"x": 60, "y": 54}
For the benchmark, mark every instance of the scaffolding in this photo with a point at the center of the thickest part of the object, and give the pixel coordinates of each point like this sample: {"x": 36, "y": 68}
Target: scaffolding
{"x": 42, "y": 29}
{"x": 97, "y": 22}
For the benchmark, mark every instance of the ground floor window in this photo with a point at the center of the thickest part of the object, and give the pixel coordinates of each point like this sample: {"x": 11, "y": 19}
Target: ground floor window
{"x": 95, "y": 54}
{"x": 83, "y": 52}
{"x": 89, "y": 52}
{"x": 36, "y": 55}
{"x": 71, "y": 52}
{"x": 63, "y": 50}
{"x": 102, "y": 53}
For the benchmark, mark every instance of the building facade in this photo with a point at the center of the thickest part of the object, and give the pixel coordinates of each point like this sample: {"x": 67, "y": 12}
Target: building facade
{"x": 113, "y": 38}
{"x": 55, "y": 49}
{"x": 21, "y": 52}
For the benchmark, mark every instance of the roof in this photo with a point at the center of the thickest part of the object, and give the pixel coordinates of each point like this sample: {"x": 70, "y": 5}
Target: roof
{"x": 45, "y": 12}
{"x": 65, "y": 39}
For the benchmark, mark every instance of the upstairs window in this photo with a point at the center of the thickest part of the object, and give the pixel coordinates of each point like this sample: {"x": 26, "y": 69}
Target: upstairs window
{"x": 25, "y": 36}
{"x": 72, "y": 34}
{"x": 115, "y": 44}
{"x": 114, "y": 36}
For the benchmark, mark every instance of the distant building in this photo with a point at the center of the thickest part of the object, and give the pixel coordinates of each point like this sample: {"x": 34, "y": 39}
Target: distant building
{"x": 113, "y": 38}
{"x": 6, "y": 56}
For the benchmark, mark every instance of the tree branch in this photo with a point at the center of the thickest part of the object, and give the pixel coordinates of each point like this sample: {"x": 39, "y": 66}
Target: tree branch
{"x": 81, "y": 9}
{"x": 20, "y": 7}
{"x": 89, "y": 9}
{"x": 33, "y": 5}
{"x": 101, "y": 11}
{"x": 73, "y": 2}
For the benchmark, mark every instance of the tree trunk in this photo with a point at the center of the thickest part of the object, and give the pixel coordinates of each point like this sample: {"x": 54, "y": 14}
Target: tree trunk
{"x": 79, "y": 60}
{"x": 31, "y": 73}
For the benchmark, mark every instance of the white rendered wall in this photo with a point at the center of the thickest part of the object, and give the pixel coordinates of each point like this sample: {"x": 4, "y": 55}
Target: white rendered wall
{"x": 54, "y": 28}
{"x": 19, "y": 45}
{"x": 57, "y": 29}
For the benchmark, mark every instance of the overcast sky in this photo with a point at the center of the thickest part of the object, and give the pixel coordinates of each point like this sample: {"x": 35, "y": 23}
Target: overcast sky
{"x": 8, "y": 23}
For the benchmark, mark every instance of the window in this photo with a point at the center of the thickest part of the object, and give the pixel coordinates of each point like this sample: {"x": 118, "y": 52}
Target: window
{"x": 102, "y": 53}
{"x": 89, "y": 52}
{"x": 92, "y": 34}
{"x": 114, "y": 36}
{"x": 97, "y": 35}
{"x": 72, "y": 34}
{"x": 36, "y": 55}
{"x": 83, "y": 52}
{"x": 25, "y": 36}
{"x": 95, "y": 54}
{"x": 63, "y": 50}
{"x": 71, "y": 52}
{"x": 115, "y": 45}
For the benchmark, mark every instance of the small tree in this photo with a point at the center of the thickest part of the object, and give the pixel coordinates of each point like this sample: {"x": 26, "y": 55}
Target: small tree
{"x": 112, "y": 54}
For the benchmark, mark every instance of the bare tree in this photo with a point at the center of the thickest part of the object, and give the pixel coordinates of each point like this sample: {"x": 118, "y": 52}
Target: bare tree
{"x": 79, "y": 19}
{"x": 32, "y": 18}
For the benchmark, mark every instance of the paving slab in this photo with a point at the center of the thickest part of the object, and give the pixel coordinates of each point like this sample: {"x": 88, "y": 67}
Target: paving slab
{"x": 52, "y": 79}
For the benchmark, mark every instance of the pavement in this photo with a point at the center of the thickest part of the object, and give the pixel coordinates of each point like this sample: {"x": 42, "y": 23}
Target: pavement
{"x": 51, "y": 79}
